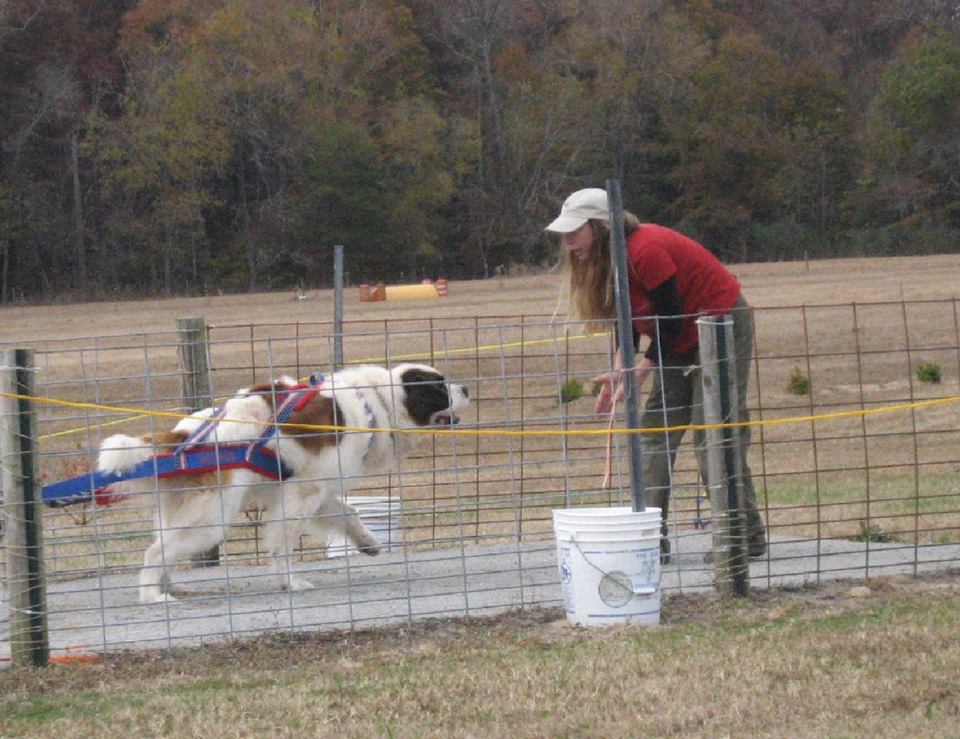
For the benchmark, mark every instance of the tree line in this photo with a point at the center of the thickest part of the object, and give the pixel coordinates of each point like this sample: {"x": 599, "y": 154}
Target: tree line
{"x": 183, "y": 146}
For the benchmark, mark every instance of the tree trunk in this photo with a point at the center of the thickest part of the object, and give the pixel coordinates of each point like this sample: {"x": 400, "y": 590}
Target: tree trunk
{"x": 167, "y": 264}
{"x": 4, "y": 296}
{"x": 496, "y": 125}
{"x": 249, "y": 250}
{"x": 81, "y": 251}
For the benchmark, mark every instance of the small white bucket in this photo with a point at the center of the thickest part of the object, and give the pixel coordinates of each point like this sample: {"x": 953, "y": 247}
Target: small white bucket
{"x": 378, "y": 513}
{"x": 609, "y": 562}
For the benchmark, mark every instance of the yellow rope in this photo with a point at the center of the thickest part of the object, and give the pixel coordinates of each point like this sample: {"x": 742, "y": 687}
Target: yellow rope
{"x": 510, "y": 432}
{"x": 486, "y": 347}
{"x": 82, "y": 429}
{"x": 403, "y": 357}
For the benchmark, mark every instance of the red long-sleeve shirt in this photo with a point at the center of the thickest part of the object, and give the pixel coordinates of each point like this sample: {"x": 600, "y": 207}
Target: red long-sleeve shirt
{"x": 703, "y": 285}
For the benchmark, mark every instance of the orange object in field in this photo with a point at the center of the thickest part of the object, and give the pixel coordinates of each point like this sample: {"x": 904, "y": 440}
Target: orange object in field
{"x": 426, "y": 289}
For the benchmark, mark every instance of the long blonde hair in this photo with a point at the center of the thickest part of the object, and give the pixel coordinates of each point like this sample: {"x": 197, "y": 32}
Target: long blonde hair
{"x": 591, "y": 281}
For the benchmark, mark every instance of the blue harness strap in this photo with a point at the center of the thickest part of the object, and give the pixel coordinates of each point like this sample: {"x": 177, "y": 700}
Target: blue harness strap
{"x": 80, "y": 489}
{"x": 200, "y": 459}
{"x": 199, "y": 434}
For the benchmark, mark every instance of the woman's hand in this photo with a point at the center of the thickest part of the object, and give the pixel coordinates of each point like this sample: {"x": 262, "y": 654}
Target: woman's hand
{"x": 611, "y": 385}
{"x": 611, "y": 391}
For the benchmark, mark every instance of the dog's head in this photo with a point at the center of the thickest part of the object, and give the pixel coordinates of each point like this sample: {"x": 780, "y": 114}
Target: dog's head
{"x": 426, "y": 397}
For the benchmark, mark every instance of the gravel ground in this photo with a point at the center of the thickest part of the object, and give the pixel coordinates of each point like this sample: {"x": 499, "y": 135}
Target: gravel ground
{"x": 101, "y": 613}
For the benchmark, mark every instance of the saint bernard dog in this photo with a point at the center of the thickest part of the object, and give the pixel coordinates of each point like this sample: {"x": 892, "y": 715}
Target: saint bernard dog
{"x": 361, "y": 408}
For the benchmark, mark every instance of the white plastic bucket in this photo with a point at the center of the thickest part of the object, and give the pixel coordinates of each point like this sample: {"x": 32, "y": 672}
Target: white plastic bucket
{"x": 378, "y": 513}
{"x": 609, "y": 561}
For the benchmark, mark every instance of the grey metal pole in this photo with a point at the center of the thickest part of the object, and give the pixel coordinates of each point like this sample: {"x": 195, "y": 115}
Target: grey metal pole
{"x": 23, "y": 512}
{"x": 621, "y": 284}
{"x": 337, "y": 306}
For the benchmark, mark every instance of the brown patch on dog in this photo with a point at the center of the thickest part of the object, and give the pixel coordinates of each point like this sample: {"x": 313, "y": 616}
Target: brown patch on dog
{"x": 269, "y": 392}
{"x": 164, "y": 438}
{"x": 319, "y": 411}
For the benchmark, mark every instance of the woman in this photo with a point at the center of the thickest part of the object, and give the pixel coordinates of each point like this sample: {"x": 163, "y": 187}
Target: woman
{"x": 673, "y": 280}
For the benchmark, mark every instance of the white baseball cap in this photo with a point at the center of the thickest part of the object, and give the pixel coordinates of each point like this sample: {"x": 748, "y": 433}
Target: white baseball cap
{"x": 579, "y": 208}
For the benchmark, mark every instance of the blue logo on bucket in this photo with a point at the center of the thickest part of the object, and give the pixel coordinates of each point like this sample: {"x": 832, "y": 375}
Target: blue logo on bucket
{"x": 566, "y": 574}
{"x": 650, "y": 563}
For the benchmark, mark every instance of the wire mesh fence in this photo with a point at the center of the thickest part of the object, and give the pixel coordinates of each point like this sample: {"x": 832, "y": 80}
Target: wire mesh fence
{"x": 856, "y": 458}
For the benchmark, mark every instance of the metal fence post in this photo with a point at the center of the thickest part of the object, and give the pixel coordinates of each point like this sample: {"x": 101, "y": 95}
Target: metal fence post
{"x": 723, "y": 473}
{"x": 621, "y": 285}
{"x": 195, "y": 389}
{"x": 23, "y": 512}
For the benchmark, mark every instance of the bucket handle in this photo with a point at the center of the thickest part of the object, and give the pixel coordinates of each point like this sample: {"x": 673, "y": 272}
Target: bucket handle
{"x": 636, "y": 591}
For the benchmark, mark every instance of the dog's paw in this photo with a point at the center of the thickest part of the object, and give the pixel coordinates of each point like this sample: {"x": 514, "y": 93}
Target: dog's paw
{"x": 366, "y": 542}
{"x": 149, "y": 599}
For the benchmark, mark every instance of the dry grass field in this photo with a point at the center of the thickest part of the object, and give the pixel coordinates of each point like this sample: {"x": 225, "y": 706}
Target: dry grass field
{"x": 855, "y": 328}
{"x": 836, "y": 662}
{"x": 767, "y": 285}
{"x": 821, "y": 663}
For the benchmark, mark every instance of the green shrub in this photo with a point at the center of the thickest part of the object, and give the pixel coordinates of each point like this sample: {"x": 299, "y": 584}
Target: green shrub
{"x": 571, "y": 390}
{"x": 872, "y": 533}
{"x": 799, "y": 383}
{"x": 929, "y": 372}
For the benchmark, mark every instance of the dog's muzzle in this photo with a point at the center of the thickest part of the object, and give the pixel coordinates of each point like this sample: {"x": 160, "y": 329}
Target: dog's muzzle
{"x": 444, "y": 418}
{"x": 459, "y": 400}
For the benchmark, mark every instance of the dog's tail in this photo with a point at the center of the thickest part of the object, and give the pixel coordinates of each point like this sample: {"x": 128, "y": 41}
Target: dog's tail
{"x": 121, "y": 452}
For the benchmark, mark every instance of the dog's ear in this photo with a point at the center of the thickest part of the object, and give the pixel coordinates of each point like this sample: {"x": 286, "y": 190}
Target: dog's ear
{"x": 420, "y": 375}
{"x": 425, "y": 393}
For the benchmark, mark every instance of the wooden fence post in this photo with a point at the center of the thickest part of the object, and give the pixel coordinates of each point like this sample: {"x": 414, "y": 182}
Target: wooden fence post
{"x": 23, "y": 512}
{"x": 724, "y": 475}
{"x": 194, "y": 363}
{"x": 195, "y": 389}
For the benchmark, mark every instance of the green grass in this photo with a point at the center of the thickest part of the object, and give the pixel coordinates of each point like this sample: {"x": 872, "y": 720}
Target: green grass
{"x": 896, "y": 510}
{"x": 937, "y": 493}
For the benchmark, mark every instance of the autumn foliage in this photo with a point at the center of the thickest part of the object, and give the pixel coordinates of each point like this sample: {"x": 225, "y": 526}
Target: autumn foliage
{"x": 182, "y": 146}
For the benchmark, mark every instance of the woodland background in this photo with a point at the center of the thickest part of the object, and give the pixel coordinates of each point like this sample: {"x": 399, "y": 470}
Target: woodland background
{"x": 197, "y": 146}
